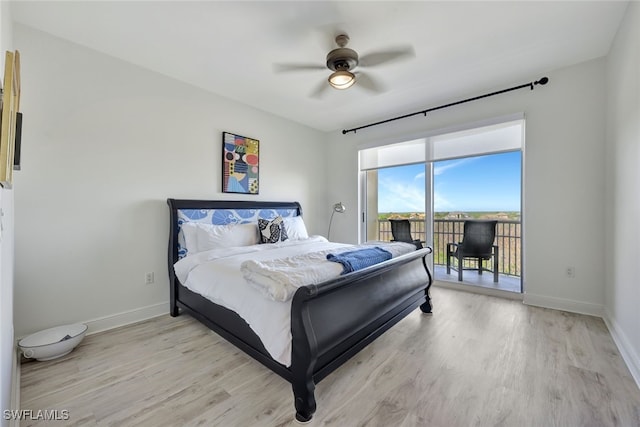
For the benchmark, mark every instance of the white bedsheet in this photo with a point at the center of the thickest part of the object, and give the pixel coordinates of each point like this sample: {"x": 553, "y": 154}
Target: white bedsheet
{"x": 217, "y": 276}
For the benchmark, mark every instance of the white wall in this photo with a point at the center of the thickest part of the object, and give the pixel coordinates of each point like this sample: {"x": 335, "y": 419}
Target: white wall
{"x": 6, "y": 251}
{"x": 564, "y": 178}
{"x": 105, "y": 143}
{"x": 7, "y": 340}
{"x": 622, "y": 299}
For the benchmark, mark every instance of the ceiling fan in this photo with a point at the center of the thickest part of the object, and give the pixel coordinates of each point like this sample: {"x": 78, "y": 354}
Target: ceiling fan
{"x": 343, "y": 61}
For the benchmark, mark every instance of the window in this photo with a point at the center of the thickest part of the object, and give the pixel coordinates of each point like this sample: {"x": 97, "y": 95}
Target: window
{"x": 473, "y": 172}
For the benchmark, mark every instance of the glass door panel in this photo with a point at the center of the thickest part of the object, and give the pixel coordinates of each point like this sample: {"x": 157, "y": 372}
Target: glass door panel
{"x": 394, "y": 193}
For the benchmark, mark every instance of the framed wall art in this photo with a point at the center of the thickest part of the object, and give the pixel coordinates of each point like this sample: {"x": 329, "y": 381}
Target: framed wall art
{"x": 240, "y": 164}
{"x": 16, "y": 156}
{"x": 10, "y": 106}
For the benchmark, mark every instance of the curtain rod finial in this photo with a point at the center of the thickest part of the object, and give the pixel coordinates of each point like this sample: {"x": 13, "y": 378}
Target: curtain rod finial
{"x": 543, "y": 81}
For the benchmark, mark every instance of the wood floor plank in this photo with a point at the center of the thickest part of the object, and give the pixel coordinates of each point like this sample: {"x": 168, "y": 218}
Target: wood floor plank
{"x": 53, "y": 391}
{"x": 477, "y": 361}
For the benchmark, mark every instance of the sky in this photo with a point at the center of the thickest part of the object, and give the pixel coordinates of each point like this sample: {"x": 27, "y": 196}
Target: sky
{"x": 482, "y": 183}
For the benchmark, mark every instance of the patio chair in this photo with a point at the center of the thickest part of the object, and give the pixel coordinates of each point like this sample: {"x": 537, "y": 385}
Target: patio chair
{"x": 401, "y": 231}
{"x": 477, "y": 243}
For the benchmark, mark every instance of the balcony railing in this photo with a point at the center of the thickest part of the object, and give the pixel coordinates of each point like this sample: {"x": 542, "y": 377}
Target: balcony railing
{"x": 508, "y": 239}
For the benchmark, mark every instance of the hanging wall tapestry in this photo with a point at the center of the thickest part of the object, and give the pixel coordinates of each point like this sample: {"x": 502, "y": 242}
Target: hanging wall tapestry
{"x": 240, "y": 164}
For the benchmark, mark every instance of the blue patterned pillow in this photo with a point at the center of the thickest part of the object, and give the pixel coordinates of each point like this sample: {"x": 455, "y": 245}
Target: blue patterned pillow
{"x": 272, "y": 231}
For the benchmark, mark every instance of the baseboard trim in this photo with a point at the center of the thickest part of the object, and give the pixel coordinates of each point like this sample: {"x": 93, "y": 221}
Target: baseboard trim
{"x": 126, "y": 317}
{"x": 478, "y": 290}
{"x": 563, "y": 304}
{"x": 629, "y": 354}
{"x": 15, "y": 386}
{"x": 94, "y": 326}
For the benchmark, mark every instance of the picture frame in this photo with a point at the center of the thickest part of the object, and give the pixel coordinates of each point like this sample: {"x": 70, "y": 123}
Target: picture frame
{"x": 240, "y": 164}
{"x": 18, "y": 137}
{"x": 8, "y": 116}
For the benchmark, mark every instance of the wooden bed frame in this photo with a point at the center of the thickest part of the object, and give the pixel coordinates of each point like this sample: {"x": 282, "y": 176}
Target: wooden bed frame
{"x": 330, "y": 322}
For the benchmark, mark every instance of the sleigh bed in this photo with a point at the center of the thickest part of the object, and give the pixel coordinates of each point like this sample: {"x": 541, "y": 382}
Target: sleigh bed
{"x": 329, "y": 321}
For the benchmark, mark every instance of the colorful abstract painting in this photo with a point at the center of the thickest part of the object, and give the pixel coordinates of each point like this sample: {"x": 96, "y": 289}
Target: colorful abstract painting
{"x": 240, "y": 164}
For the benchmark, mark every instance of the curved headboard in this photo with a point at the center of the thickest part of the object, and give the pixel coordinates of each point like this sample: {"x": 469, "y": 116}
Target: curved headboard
{"x": 218, "y": 212}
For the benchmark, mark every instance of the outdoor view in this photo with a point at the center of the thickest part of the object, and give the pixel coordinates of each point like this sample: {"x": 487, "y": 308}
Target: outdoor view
{"x": 482, "y": 187}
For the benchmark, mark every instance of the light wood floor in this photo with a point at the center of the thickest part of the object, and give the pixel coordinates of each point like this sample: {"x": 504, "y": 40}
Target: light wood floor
{"x": 478, "y": 361}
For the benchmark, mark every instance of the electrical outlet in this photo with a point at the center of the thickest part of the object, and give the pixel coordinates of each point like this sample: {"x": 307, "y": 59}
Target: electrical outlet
{"x": 149, "y": 278}
{"x": 570, "y": 272}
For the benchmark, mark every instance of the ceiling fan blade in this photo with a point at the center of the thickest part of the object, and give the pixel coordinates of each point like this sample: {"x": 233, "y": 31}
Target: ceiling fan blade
{"x": 319, "y": 90}
{"x": 366, "y": 82}
{"x": 378, "y": 58}
{"x": 285, "y": 68}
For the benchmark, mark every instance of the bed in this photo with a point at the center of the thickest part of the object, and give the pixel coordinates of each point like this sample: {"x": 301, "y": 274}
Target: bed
{"x": 329, "y": 321}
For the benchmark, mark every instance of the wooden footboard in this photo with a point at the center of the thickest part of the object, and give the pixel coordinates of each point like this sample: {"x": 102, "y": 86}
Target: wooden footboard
{"x": 334, "y": 320}
{"x": 330, "y": 322}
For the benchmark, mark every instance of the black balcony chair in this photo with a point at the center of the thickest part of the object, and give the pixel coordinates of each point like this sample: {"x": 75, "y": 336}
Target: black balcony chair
{"x": 477, "y": 243}
{"x": 401, "y": 231}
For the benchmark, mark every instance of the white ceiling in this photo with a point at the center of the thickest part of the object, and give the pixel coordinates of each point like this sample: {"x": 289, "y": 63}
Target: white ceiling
{"x": 230, "y": 48}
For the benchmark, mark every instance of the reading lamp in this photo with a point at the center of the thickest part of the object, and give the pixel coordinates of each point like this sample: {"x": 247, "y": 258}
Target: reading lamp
{"x": 338, "y": 207}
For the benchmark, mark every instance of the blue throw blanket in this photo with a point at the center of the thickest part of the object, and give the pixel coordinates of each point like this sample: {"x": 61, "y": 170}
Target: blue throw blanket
{"x": 361, "y": 258}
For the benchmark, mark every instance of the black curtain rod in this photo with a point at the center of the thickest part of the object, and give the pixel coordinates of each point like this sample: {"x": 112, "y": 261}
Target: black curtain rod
{"x": 542, "y": 81}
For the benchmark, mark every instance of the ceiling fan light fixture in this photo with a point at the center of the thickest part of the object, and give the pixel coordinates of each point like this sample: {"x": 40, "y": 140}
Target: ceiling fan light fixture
{"x": 342, "y": 79}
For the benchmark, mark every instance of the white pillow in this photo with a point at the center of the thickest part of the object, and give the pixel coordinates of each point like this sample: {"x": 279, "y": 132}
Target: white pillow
{"x": 295, "y": 228}
{"x": 227, "y": 236}
{"x": 190, "y": 234}
{"x": 201, "y": 237}
{"x": 245, "y": 234}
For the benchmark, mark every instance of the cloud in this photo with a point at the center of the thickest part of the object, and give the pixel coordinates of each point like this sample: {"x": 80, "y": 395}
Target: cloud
{"x": 440, "y": 204}
{"x": 400, "y": 196}
{"x": 440, "y": 168}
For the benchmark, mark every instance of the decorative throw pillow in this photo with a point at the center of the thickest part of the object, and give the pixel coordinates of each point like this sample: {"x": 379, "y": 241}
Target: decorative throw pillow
{"x": 272, "y": 231}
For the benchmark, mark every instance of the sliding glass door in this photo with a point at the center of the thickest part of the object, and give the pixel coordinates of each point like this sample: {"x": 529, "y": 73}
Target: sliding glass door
{"x": 486, "y": 187}
{"x": 441, "y": 181}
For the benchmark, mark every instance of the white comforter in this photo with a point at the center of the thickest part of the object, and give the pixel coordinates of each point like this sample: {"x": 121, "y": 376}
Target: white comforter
{"x": 216, "y": 275}
{"x": 278, "y": 279}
